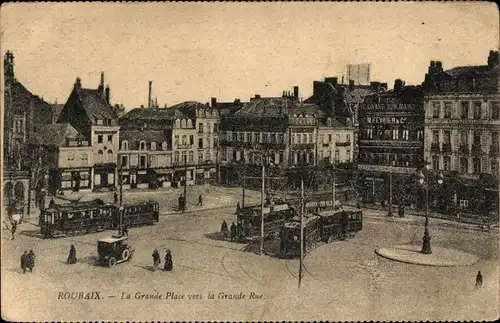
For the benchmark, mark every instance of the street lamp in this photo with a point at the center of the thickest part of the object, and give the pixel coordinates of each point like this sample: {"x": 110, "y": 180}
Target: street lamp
{"x": 426, "y": 240}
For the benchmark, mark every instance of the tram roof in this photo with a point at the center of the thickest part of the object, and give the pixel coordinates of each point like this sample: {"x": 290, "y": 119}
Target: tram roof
{"x": 330, "y": 212}
{"x": 295, "y": 223}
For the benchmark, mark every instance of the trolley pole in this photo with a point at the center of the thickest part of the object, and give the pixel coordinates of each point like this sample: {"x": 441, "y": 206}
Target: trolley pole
{"x": 185, "y": 183}
{"x": 121, "y": 185}
{"x": 333, "y": 183}
{"x": 244, "y": 183}
{"x": 390, "y": 194}
{"x": 301, "y": 229}
{"x": 262, "y": 210}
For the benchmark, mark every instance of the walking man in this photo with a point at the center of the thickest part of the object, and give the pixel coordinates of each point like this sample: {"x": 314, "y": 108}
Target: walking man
{"x": 24, "y": 260}
{"x": 13, "y": 230}
{"x": 125, "y": 230}
{"x": 233, "y": 231}
{"x": 156, "y": 259}
{"x": 72, "y": 255}
{"x": 30, "y": 261}
{"x": 115, "y": 198}
{"x": 200, "y": 200}
{"x": 479, "y": 279}
{"x": 169, "y": 264}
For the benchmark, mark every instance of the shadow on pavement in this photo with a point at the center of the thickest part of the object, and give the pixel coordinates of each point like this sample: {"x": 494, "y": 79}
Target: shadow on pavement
{"x": 31, "y": 233}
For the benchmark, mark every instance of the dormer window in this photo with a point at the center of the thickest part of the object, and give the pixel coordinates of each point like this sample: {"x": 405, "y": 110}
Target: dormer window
{"x": 177, "y": 123}
{"x": 189, "y": 124}
{"x": 183, "y": 124}
{"x": 99, "y": 122}
{"x": 124, "y": 145}
{"x": 142, "y": 145}
{"x": 164, "y": 146}
{"x": 153, "y": 145}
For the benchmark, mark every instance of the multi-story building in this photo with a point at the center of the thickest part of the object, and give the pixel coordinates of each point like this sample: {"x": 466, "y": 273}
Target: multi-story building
{"x": 67, "y": 154}
{"x": 462, "y": 127}
{"x": 390, "y": 144}
{"x": 91, "y": 114}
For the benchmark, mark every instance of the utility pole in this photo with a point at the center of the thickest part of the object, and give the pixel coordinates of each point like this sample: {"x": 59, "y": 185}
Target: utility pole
{"x": 185, "y": 182}
{"x": 301, "y": 229}
{"x": 244, "y": 183}
{"x": 262, "y": 209}
{"x": 121, "y": 184}
{"x": 390, "y": 194}
{"x": 333, "y": 183}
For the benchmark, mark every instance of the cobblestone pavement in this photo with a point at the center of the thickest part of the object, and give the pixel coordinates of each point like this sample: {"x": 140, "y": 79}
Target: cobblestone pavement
{"x": 343, "y": 280}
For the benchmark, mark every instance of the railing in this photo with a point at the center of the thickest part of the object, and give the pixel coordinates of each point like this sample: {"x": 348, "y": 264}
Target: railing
{"x": 435, "y": 147}
{"x": 342, "y": 144}
{"x": 184, "y": 146}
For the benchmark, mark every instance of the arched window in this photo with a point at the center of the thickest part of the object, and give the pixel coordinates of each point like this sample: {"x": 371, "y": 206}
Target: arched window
{"x": 110, "y": 156}
{"x": 183, "y": 123}
{"x": 177, "y": 123}
{"x": 100, "y": 156}
{"x": 189, "y": 124}
{"x": 164, "y": 145}
{"x": 124, "y": 145}
{"x": 153, "y": 145}
{"x": 142, "y": 145}
{"x": 19, "y": 192}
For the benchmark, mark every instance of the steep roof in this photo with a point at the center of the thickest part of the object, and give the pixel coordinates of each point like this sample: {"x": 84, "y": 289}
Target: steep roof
{"x": 135, "y": 136}
{"x": 189, "y": 108}
{"x": 468, "y": 70}
{"x": 54, "y": 135}
{"x": 18, "y": 99}
{"x": 153, "y": 114}
{"x": 56, "y": 110}
{"x": 95, "y": 104}
{"x": 265, "y": 107}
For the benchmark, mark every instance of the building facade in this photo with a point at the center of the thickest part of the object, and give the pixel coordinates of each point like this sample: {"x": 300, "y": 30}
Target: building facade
{"x": 391, "y": 125}
{"x": 462, "y": 127}
{"x": 91, "y": 114}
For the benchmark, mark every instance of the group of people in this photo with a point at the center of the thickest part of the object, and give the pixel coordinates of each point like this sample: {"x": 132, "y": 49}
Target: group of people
{"x": 182, "y": 202}
{"x": 27, "y": 261}
{"x": 234, "y": 232}
{"x": 168, "y": 266}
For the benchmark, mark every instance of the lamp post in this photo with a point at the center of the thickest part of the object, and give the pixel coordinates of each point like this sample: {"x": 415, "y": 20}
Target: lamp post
{"x": 426, "y": 240}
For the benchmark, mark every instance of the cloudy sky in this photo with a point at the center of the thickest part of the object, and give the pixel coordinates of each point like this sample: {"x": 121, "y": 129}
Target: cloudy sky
{"x": 193, "y": 51}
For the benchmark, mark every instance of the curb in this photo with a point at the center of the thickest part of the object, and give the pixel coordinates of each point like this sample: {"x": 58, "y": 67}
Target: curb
{"x": 382, "y": 254}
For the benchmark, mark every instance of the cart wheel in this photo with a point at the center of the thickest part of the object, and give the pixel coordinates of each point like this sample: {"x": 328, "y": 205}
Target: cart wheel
{"x": 125, "y": 254}
{"x": 112, "y": 262}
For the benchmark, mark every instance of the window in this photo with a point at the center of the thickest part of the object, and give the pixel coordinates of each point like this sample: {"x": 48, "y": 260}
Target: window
{"x": 124, "y": 145}
{"x": 447, "y": 137}
{"x": 200, "y": 143}
{"x": 464, "y": 165}
{"x": 100, "y": 156}
{"x": 153, "y": 160}
{"x": 142, "y": 145}
{"x": 176, "y": 140}
{"x": 348, "y": 138}
{"x": 321, "y": 138}
{"x": 329, "y": 138}
{"x": 494, "y": 140}
{"x": 124, "y": 161}
{"x": 446, "y": 162}
{"x": 200, "y": 127}
{"x": 477, "y": 110}
{"x": 191, "y": 156}
{"x": 191, "y": 140}
{"x": 247, "y": 137}
{"x": 216, "y": 127}
{"x": 200, "y": 158}
{"x": 435, "y": 136}
{"x": 164, "y": 146}
{"x": 464, "y": 138}
{"x": 477, "y": 165}
{"x": 110, "y": 156}
{"x": 337, "y": 155}
{"x": 183, "y": 124}
{"x": 183, "y": 140}
{"x": 229, "y": 136}
{"x": 495, "y": 110}
{"x": 435, "y": 162}
{"x": 405, "y": 134}
{"x": 370, "y": 133}
{"x": 208, "y": 157}
{"x": 153, "y": 145}
{"x": 142, "y": 161}
{"x": 436, "y": 107}
{"x": 184, "y": 155}
{"x": 240, "y": 136}
{"x": 273, "y": 138}
{"x": 348, "y": 153}
{"x": 494, "y": 167}
{"x": 304, "y": 138}
{"x": 176, "y": 157}
{"x": 447, "y": 110}
{"x": 99, "y": 139}
{"x": 215, "y": 143}
{"x": 395, "y": 135}
{"x": 337, "y": 137}
{"x": 464, "y": 110}
{"x": 477, "y": 137}
{"x": 264, "y": 137}
{"x": 110, "y": 138}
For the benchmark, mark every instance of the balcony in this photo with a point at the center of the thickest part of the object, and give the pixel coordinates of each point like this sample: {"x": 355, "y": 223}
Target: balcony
{"x": 447, "y": 147}
{"x": 435, "y": 147}
{"x": 342, "y": 144}
{"x": 184, "y": 146}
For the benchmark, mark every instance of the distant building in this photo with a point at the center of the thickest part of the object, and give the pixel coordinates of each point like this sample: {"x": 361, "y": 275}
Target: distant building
{"x": 462, "y": 132}
{"x": 91, "y": 114}
{"x": 391, "y": 125}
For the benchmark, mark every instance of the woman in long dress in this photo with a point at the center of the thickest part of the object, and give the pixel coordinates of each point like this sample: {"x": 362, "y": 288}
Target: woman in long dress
{"x": 156, "y": 258}
{"x": 72, "y": 255}
{"x": 168, "y": 261}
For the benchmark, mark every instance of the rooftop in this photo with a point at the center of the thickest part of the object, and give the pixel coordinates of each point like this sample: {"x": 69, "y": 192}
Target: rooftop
{"x": 54, "y": 135}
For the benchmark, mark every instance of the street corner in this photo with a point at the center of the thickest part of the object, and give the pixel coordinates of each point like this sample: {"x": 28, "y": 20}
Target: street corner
{"x": 440, "y": 257}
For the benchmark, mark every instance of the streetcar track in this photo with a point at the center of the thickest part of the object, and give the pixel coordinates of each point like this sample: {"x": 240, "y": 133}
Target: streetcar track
{"x": 224, "y": 266}
{"x": 289, "y": 270}
{"x": 246, "y": 272}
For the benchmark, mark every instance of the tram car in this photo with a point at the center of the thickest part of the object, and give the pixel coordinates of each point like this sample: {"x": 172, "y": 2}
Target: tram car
{"x": 324, "y": 226}
{"x": 94, "y": 216}
{"x": 275, "y": 216}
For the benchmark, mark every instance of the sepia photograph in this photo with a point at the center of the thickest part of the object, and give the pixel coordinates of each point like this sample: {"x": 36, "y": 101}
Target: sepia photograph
{"x": 239, "y": 162}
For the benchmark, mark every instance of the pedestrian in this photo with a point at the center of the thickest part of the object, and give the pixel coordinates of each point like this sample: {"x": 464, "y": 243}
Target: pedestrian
{"x": 125, "y": 230}
{"x": 239, "y": 230}
{"x": 479, "y": 279}
{"x": 238, "y": 208}
{"x": 200, "y": 200}
{"x": 30, "y": 261}
{"x": 168, "y": 261}
{"x": 247, "y": 229}
{"x": 181, "y": 208}
{"x": 233, "y": 231}
{"x": 72, "y": 255}
{"x": 156, "y": 259}
{"x": 24, "y": 260}
{"x": 115, "y": 198}
{"x": 224, "y": 229}
{"x": 13, "y": 230}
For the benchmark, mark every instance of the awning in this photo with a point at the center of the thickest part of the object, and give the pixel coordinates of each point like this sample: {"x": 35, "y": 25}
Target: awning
{"x": 163, "y": 171}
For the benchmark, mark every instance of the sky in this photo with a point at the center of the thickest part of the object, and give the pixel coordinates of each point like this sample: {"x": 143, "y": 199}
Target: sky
{"x": 195, "y": 51}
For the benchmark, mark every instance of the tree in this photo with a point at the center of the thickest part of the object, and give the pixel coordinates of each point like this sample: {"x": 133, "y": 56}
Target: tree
{"x": 36, "y": 159}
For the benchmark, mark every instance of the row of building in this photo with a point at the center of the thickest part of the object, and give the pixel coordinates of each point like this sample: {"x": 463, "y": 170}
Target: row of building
{"x": 450, "y": 122}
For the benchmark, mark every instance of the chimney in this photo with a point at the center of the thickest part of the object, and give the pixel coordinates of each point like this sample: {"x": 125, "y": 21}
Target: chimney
{"x": 8, "y": 65}
{"x": 149, "y": 97}
{"x": 142, "y": 106}
{"x": 493, "y": 59}
{"x": 165, "y": 105}
{"x": 383, "y": 86}
{"x": 296, "y": 92}
{"x": 101, "y": 86}
{"x": 351, "y": 84}
{"x": 213, "y": 102}
{"x": 237, "y": 101}
{"x": 398, "y": 85}
{"x": 332, "y": 80}
{"x": 257, "y": 96}
{"x": 78, "y": 84}
{"x": 107, "y": 94}
{"x": 439, "y": 66}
